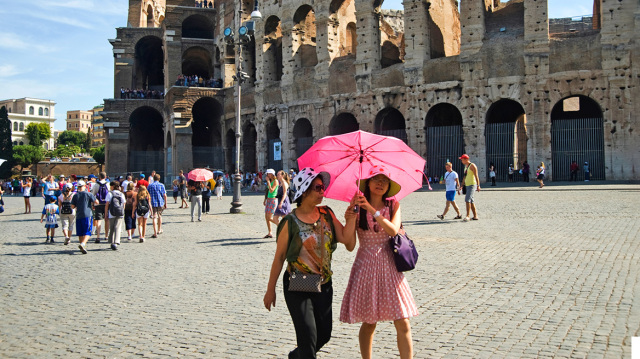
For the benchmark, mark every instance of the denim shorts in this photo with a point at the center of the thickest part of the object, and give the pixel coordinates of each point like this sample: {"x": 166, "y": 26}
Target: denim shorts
{"x": 451, "y": 196}
{"x": 471, "y": 190}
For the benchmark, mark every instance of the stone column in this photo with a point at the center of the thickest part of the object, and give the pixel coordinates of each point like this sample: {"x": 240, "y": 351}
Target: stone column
{"x": 536, "y": 37}
{"x": 183, "y": 150}
{"x": 368, "y": 51}
{"x": 288, "y": 62}
{"x": 417, "y": 39}
{"x": 472, "y": 26}
{"x": 324, "y": 57}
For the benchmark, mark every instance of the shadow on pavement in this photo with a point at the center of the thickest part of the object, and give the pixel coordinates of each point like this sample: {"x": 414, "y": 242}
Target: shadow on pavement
{"x": 234, "y": 242}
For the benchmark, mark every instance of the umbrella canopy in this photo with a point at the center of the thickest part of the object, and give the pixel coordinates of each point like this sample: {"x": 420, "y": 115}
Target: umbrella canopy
{"x": 2, "y": 161}
{"x": 200, "y": 175}
{"x": 351, "y": 156}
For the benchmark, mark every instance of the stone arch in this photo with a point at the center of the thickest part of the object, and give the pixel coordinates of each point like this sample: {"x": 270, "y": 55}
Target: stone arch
{"x": 230, "y": 141}
{"x": 249, "y": 145}
{"x": 272, "y": 49}
{"x": 150, "y": 20}
{"x": 342, "y": 28}
{"x": 196, "y": 60}
{"x": 197, "y": 27}
{"x": 390, "y": 54}
{"x": 505, "y": 137}
{"x": 206, "y": 138}
{"x": 149, "y": 64}
{"x": 146, "y": 140}
{"x": 302, "y": 135}
{"x": 351, "y": 39}
{"x": 444, "y": 137}
{"x": 391, "y": 122}
{"x": 577, "y": 134}
{"x": 274, "y": 144}
{"x": 343, "y": 123}
{"x": 303, "y": 36}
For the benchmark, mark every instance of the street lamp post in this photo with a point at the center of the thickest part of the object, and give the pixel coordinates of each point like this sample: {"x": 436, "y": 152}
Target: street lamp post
{"x": 239, "y": 77}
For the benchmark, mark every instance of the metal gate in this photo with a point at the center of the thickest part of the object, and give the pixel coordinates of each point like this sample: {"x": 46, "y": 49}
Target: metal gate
{"x": 275, "y": 155}
{"x": 147, "y": 161}
{"x": 401, "y": 134}
{"x": 580, "y": 140}
{"x": 444, "y": 143}
{"x": 500, "y": 141}
{"x": 208, "y": 156}
{"x": 303, "y": 144}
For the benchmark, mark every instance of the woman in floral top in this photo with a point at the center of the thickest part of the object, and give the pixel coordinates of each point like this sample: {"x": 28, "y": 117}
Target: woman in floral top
{"x": 306, "y": 238}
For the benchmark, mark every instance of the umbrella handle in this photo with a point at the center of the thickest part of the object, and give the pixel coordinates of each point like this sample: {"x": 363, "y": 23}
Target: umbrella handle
{"x": 428, "y": 182}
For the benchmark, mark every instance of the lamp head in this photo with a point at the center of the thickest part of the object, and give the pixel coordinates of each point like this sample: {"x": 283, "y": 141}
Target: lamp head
{"x": 255, "y": 14}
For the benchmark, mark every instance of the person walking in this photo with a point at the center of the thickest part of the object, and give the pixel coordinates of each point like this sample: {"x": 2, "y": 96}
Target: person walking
{"x": 492, "y": 174}
{"x": 142, "y": 211}
{"x": 510, "y": 174}
{"x": 270, "y": 200}
{"x": 206, "y": 196}
{"x": 283, "y": 205}
{"x": 306, "y": 239}
{"x": 67, "y": 212}
{"x": 525, "y": 171}
{"x": 26, "y": 184}
{"x": 452, "y": 185}
{"x": 219, "y": 188}
{"x": 51, "y": 212}
{"x": 587, "y": 173}
{"x": 129, "y": 218}
{"x": 48, "y": 188}
{"x": 114, "y": 207}
{"x": 158, "y": 195}
{"x": 176, "y": 191}
{"x": 82, "y": 202}
{"x": 100, "y": 190}
{"x": 196, "y": 199}
{"x": 471, "y": 182}
{"x": 182, "y": 181}
{"x": 574, "y": 171}
{"x": 376, "y": 291}
{"x": 540, "y": 174}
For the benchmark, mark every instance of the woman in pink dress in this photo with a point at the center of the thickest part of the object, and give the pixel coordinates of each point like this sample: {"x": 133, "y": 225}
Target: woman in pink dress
{"x": 376, "y": 290}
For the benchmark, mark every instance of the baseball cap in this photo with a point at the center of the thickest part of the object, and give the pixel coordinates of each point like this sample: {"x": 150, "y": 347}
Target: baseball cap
{"x": 142, "y": 175}
{"x": 81, "y": 183}
{"x": 465, "y": 156}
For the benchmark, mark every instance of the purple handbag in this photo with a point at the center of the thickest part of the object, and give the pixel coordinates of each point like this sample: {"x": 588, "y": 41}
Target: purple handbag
{"x": 404, "y": 251}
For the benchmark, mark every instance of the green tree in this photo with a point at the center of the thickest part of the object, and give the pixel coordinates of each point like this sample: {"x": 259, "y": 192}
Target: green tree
{"x": 71, "y": 138}
{"x": 88, "y": 141}
{"x": 37, "y": 132}
{"x": 98, "y": 155}
{"x": 66, "y": 151}
{"x": 6, "y": 146}
{"x": 27, "y": 155}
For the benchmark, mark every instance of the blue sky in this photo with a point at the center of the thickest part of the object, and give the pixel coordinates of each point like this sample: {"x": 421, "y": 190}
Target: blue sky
{"x": 59, "y": 50}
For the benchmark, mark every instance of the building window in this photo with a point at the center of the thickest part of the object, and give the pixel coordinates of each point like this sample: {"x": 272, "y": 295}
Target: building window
{"x": 76, "y": 125}
{"x": 21, "y": 126}
{"x": 15, "y": 143}
{"x": 40, "y": 112}
{"x": 15, "y": 126}
{"x": 31, "y": 110}
{"x": 21, "y": 143}
{"x": 46, "y": 112}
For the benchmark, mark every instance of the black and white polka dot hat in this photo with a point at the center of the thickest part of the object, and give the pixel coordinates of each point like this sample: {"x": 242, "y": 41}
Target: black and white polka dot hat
{"x": 304, "y": 179}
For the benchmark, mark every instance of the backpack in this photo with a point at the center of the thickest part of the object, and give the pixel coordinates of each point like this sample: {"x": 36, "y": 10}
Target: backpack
{"x": 143, "y": 207}
{"x": 66, "y": 207}
{"x": 129, "y": 203}
{"x": 116, "y": 206}
{"x": 102, "y": 193}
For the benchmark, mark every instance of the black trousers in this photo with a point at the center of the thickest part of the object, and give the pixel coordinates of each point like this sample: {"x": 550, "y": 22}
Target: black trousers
{"x": 312, "y": 318}
{"x": 205, "y": 204}
{"x": 574, "y": 176}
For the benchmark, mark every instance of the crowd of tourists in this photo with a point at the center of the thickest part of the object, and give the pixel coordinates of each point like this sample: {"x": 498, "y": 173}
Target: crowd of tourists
{"x": 198, "y": 81}
{"x": 140, "y": 94}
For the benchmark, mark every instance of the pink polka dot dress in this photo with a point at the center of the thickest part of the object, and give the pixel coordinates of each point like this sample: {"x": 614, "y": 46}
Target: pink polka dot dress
{"x": 376, "y": 290}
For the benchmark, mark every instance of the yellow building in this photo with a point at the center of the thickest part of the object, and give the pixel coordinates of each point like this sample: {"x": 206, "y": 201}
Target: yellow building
{"x": 97, "y": 129}
{"x": 79, "y": 120}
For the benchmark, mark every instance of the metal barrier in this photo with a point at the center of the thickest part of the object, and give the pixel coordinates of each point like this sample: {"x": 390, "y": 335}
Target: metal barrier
{"x": 444, "y": 143}
{"x": 580, "y": 140}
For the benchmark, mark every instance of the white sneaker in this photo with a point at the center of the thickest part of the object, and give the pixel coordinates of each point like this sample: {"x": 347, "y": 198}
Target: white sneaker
{"x": 67, "y": 240}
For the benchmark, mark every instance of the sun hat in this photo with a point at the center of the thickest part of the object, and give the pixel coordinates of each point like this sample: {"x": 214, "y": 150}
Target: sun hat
{"x": 394, "y": 187}
{"x": 465, "y": 156}
{"x": 69, "y": 185}
{"x": 304, "y": 179}
{"x": 81, "y": 183}
{"x": 61, "y": 176}
{"x": 271, "y": 170}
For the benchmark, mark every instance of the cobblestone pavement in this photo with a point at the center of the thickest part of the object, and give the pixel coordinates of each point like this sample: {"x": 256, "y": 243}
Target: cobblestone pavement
{"x": 547, "y": 272}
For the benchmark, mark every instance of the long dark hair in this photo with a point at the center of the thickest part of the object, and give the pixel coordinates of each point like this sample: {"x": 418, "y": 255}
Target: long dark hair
{"x": 362, "y": 217}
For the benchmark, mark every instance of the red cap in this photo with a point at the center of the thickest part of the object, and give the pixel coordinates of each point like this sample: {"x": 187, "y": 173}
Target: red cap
{"x": 465, "y": 156}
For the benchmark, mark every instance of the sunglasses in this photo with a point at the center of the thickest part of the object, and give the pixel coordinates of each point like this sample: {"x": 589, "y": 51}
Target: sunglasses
{"x": 319, "y": 188}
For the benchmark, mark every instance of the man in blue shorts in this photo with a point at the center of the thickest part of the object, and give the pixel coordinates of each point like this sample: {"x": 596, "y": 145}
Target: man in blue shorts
{"x": 453, "y": 183}
{"x": 82, "y": 202}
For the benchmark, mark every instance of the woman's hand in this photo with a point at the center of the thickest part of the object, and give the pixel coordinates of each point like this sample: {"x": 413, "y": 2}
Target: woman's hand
{"x": 269, "y": 299}
{"x": 363, "y": 203}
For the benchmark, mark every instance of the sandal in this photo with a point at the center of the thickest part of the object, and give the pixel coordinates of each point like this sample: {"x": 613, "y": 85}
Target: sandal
{"x": 458, "y": 217}
{"x": 268, "y": 236}
{"x": 440, "y": 216}
{"x": 475, "y": 219}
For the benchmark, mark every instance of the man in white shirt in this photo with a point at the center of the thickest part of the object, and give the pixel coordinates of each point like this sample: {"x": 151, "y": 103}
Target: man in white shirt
{"x": 453, "y": 183}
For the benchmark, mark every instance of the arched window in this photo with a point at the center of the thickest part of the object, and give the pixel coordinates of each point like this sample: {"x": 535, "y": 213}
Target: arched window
{"x": 31, "y": 110}
{"x": 46, "y": 112}
{"x": 40, "y": 111}
{"x": 15, "y": 143}
{"x": 15, "y": 126}
{"x": 21, "y": 143}
{"x": 21, "y": 126}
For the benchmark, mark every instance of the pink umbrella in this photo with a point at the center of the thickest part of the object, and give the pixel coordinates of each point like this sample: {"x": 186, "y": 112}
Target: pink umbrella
{"x": 351, "y": 156}
{"x": 200, "y": 175}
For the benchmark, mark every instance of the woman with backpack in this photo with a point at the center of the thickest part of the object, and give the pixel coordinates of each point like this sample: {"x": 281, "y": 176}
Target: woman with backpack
{"x": 67, "y": 212}
{"x": 142, "y": 210}
{"x": 115, "y": 212}
{"x": 129, "y": 220}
